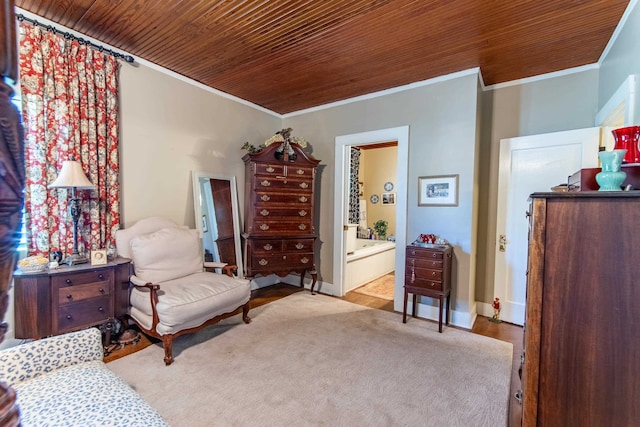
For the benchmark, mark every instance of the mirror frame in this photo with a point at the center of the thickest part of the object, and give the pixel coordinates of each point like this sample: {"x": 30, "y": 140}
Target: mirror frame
{"x": 235, "y": 211}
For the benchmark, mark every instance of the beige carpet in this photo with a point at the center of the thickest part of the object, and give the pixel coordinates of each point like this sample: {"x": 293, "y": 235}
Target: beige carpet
{"x": 317, "y": 360}
{"x": 379, "y": 288}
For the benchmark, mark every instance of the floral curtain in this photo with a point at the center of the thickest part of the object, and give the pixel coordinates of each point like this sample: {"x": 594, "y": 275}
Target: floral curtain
{"x": 70, "y": 108}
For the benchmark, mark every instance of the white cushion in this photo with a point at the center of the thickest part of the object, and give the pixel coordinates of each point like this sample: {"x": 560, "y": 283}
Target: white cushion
{"x": 144, "y": 226}
{"x": 166, "y": 254}
{"x": 190, "y": 301}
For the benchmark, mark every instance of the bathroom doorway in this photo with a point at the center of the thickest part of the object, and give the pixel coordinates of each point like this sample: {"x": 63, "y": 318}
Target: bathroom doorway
{"x": 399, "y": 136}
{"x": 370, "y": 248}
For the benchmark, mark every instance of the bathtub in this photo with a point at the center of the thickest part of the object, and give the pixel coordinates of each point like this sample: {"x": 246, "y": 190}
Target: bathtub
{"x": 370, "y": 259}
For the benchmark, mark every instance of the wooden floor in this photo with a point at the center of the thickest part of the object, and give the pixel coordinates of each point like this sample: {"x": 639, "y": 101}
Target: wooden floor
{"x": 482, "y": 326}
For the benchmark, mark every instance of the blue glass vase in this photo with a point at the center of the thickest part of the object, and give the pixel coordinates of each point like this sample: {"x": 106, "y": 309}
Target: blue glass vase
{"x": 610, "y": 178}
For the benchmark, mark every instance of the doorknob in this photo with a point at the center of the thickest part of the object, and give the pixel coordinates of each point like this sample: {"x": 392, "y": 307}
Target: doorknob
{"x": 503, "y": 243}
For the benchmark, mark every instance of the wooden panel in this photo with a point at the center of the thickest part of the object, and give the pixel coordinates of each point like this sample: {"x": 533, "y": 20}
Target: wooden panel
{"x": 287, "y": 55}
{"x": 32, "y": 307}
{"x": 582, "y": 336}
{"x": 417, "y": 282}
{"x": 531, "y": 371}
{"x": 83, "y": 314}
{"x": 70, "y": 294}
{"x": 590, "y": 337}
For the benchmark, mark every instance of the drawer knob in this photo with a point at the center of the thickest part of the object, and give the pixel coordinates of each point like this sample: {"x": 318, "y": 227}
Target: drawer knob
{"x": 267, "y": 247}
{"x": 302, "y": 212}
{"x": 69, "y": 317}
{"x": 263, "y": 262}
{"x": 304, "y": 260}
{"x": 101, "y": 290}
{"x": 300, "y": 171}
{"x": 101, "y": 276}
{"x": 69, "y": 296}
{"x": 302, "y": 227}
{"x": 434, "y": 274}
{"x": 299, "y": 245}
{"x": 265, "y": 183}
{"x": 100, "y": 309}
{"x": 265, "y": 198}
{"x": 434, "y": 254}
{"x": 68, "y": 281}
{"x": 270, "y": 169}
{"x": 264, "y": 212}
{"x": 304, "y": 185}
{"x": 413, "y": 252}
{"x": 303, "y": 199}
{"x": 264, "y": 227}
{"x": 432, "y": 284}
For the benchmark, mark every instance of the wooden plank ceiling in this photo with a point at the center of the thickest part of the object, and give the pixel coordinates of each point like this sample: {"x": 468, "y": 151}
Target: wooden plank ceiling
{"x": 288, "y": 55}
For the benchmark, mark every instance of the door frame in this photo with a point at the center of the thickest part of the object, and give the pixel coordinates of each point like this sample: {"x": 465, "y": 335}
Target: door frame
{"x": 343, "y": 145}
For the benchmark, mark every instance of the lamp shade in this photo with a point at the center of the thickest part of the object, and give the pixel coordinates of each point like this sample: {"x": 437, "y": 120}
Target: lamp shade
{"x": 72, "y": 176}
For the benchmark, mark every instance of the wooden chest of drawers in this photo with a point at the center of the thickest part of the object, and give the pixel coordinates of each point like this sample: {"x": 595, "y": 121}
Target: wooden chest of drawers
{"x": 428, "y": 273}
{"x": 70, "y": 298}
{"x": 582, "y": 334}
{"x": 279, "y": 229}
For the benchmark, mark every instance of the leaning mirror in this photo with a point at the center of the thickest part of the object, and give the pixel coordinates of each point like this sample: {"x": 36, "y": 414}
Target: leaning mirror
{"x": 215, "y": 199}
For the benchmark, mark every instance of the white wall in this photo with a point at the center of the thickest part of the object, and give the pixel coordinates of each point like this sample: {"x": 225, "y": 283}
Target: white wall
{"x": 170, "y": 128}
{"x": 623, "y": 57}
{"x": 541, "y": 106}
{"x": 442, "y": 124}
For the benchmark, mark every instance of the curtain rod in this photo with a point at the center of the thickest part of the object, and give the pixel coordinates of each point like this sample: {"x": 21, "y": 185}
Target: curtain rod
{"x": 117, "y": 55}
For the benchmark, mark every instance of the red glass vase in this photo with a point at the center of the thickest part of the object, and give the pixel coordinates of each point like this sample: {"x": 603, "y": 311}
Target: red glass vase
{"x": 627, "y": 139}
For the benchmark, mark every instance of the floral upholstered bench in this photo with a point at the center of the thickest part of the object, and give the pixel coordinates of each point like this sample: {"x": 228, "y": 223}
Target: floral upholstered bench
{"x": 62, "y": 380}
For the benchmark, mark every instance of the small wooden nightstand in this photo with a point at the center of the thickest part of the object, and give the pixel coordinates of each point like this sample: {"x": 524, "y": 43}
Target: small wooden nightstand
{"x": 428, "y": 272}
{"x": 70, "y": 298}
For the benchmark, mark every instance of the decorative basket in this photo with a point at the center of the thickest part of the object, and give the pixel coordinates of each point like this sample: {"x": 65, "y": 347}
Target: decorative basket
{"x": 33, "y": 264}
{"x": 32, "y": 268}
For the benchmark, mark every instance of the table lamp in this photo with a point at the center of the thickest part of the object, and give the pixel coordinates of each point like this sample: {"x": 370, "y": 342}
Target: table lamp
{"x": 71, "y": 176}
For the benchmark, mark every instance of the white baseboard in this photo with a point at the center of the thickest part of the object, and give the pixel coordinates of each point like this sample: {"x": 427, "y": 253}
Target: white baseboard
{"x": 461, "y": 319}
{"x": 485, "y": 309}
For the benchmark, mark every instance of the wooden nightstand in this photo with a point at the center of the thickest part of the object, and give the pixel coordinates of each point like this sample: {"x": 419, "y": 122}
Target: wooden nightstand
{"x": 428, "y": 272}
{"x": 70, "y": 298}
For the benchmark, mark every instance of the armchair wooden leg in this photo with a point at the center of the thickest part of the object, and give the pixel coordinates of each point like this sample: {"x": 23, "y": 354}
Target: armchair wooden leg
{"x": 245, "y": 313}
{"x": 167, "y": 343}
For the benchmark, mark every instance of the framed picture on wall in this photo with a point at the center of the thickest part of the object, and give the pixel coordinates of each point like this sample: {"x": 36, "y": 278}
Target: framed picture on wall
{"x": 388, "y": 198}
{"x": 439, "y": 190}
{"x": 205, "y": 229}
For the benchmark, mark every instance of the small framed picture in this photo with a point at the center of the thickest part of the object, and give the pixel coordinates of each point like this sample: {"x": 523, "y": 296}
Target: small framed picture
{"x": 99, "y": 257}
{"x": 441, "y": 190}
{"x": 388, "y": 198}
{"x": 205, "y": 229}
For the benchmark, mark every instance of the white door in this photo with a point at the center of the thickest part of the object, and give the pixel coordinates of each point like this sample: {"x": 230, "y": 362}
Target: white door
{"x": 530, "y": 164}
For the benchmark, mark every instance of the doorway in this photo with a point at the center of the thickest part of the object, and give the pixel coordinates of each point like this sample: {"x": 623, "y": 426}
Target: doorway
{"x": 341, "y": 190}
{"x": 370, "y": 250}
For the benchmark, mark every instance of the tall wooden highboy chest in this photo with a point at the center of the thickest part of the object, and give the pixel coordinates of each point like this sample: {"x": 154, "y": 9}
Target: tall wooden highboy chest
{"x": 582, "y": 326}
{"x": 279, "y": 228}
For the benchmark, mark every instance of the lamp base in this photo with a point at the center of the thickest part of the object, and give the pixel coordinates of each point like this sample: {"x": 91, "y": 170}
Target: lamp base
{"x": 75, "y": 259}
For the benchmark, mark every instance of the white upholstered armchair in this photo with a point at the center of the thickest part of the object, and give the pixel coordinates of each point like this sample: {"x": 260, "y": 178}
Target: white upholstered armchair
{"x": 171, "y": 293}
